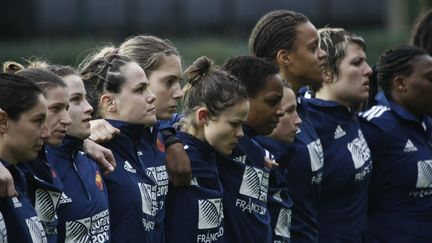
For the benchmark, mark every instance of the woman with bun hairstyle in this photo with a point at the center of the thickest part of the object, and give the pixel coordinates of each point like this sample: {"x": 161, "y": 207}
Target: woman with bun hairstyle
{"x": 399, "y": 133}
{"x": 215, "y": 106}
{"x": 290, "y": 40}
{"x": 23, "y": 129}
{"x": 117, "y": 89}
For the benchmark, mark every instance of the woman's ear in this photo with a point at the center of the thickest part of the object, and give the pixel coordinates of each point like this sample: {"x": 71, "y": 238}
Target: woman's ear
{"x": 283, "y": 58}
{"x": 400, "y": 84}
{"x": 202, "y": 116}
{"x": 4, "y": 121}
{"x": 108, "y": 103}
{"x": 327, "y": 76}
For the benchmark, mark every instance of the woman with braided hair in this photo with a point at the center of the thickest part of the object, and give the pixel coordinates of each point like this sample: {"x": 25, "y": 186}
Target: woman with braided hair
{"x": 290, "y": 40}
{"x": 399, "y": 133}
{"x": 163, "y": 153}
{"x": 215, "y": 106}
{"x": 161, "y": 62}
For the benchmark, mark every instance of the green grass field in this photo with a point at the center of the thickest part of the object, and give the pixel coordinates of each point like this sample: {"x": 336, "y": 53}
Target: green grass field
{"x": 72, "y": 50}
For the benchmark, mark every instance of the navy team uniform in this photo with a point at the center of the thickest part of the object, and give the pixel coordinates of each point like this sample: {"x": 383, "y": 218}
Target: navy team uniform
{"x": 303, "y": 167}
{"x": 279, "y": 202}
{"x": 130, "y": 191}
{"x": 151, "y": 154}
{"x": 245, "y": 184}
{"x": 3, "y": 231}
{"x": 20, "y": 222}
{"x": 83, "y": 214}
{"x": 347, "y": 171}
{"x": 195, "y": 213}
{"x": 400, "y": 197}
{"x": 45, "y": 191}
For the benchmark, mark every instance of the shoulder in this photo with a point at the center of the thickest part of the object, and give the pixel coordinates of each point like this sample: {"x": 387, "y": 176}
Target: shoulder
{"x": 378, "y": 124}
{"x": 376, "y": 114}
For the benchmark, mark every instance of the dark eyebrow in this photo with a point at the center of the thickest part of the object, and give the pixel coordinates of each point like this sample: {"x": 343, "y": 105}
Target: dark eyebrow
{"x": 171, "y": 76}
{"x": 40, "y": 115}
{"x": 314, "y": 42}
{"x": 58, "y": 104}
{"x": 141, "y": 85}
{"x": 76, "y": 94}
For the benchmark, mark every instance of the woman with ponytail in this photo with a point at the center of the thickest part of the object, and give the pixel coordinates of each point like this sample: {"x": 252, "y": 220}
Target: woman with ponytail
{"x": 162, "y": 64}
{"x": 117, "y": 89}
{"x": 215, "y": 106}
{"x": 162, "y": 152}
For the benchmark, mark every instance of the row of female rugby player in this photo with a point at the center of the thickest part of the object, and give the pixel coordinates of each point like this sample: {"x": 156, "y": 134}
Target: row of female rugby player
{"x": 265, "y": 166}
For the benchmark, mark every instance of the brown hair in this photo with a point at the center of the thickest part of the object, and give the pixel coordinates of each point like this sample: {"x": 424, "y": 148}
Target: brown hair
{"x": 210, "y": 87}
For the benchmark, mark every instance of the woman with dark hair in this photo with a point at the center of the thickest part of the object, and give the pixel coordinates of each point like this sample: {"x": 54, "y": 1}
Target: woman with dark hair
{"x": 243, "y": 173}
{"x": 277, "y": 143}
{"x": 399, "y": 133}
{"x": 44, "y": 187}
{"x": 421, "y": 35}
{"x": 23, "y": 129}
{"x": 290, "y": 40}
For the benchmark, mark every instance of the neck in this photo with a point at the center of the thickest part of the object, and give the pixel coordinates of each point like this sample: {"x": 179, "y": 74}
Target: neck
{"x": 295, "y": 83}
{"x": 6, "y": 155}
{"x": 190, "y": 129}
{"x": 400, "y": 101}
{"x": 325, "y": 94}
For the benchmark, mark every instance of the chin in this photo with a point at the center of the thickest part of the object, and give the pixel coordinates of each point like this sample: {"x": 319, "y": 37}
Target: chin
{"x": 150, "y": 123}
{"x": 164, "y": 116}
{"x": 225, "y": 152}
{"x": 266, "y": 131}
{"x": 54, "y": 141}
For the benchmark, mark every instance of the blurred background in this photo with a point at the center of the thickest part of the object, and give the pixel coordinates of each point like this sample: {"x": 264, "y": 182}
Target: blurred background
{"x": 65, "y": 31}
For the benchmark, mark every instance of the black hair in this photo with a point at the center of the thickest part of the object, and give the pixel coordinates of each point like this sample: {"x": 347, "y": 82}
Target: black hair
{"x": 275, "y": 31}
{"x": 422, "y": 32}
{"x": 251, "y": 71}
{"x": 17, "y": 94}
{"x": 396, "y": 61}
